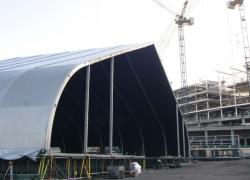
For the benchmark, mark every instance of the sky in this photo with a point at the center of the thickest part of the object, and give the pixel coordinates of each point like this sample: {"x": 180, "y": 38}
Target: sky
{"x": 31, "y": 27}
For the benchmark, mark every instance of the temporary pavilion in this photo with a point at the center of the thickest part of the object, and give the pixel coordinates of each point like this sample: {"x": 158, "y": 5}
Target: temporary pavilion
{"x": 87, "y": 104}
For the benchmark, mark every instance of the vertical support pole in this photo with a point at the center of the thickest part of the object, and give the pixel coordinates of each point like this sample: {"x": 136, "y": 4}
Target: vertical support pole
{"x": 11, "y": 170}
{"x": 238, "y": 141}
{"x": 208, "y": 153}
{"x": 221, "y": 111}
{"x": 220, "y": 89}
{"x": 183, "y": 137}
{"x": 208, "y": 113}
{"x": 196, "y": 109}
{"x": 111, "y": 110}
{"x": 243, "y": 120}
{"x": 86, "y": 120}
{"x": 206, "y": 137}
{"x": 232, "y": 137}
{"x": 235, "y": 102}
{"x": 177, "y": 130}
{"x": 236, "y": 111}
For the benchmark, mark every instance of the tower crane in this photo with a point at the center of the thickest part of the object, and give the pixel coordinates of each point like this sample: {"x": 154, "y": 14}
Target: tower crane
{"x": 240, "y": 4}
{"x": 180, "y": 20}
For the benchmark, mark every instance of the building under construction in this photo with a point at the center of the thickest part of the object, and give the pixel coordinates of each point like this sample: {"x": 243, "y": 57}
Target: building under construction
{"x": 73, "y": 114}
{"x": 217, "y": 116}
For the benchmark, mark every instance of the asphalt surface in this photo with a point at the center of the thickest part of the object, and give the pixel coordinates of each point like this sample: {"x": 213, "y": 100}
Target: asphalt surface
{"x": 214, "y": 170}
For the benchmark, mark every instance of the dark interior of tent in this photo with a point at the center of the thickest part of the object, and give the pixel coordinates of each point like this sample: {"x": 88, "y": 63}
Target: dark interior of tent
{"x": 144, "y": 108}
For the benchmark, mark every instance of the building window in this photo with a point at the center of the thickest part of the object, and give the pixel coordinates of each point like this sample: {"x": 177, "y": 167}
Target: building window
{"x": 242, "y": 142}
{"x": 248, "y": 141}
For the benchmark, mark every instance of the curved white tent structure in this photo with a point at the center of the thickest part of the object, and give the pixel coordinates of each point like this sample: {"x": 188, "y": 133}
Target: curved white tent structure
{"x": 36, "y": 112}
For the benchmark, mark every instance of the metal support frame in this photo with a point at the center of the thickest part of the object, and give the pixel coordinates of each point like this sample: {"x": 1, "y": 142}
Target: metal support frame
{"x": 111, "y": 110}
{"x": 86, "y": 117}
{"x": 182, "y": 56}
{"x": 74, "y": 166}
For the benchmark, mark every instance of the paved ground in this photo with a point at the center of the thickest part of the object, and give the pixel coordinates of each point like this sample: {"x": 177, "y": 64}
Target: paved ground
{"x": 217, "y": 170}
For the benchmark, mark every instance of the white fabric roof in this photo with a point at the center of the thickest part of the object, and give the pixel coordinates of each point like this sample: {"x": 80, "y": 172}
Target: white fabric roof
{"x": 31, "y": 88}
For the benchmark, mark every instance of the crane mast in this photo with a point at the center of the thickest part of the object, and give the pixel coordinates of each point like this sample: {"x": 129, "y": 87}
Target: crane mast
{"x": 232, "y": 5}
{"x": 182, "y": 56}
{"x": 181, "y": 20}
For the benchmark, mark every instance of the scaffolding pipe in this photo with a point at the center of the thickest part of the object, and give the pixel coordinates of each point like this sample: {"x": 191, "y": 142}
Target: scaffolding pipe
{"x": 111, "y": 115}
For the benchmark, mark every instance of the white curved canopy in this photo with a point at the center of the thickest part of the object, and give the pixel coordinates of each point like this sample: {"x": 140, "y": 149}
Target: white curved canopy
{"x": 42, "y": 93}
{"x": 31, "y": 88}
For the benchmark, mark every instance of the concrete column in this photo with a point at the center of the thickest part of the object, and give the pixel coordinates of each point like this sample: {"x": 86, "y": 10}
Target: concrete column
{"x": 86, "y": 116}
{"x": 235, "y": 101}
{"x": 208, "y": 154}
{"x": 111, "y": 115}
{"x": 208, "y": 113}
{"x": 236, "y": 111}
{"x": 220, "y": 98}
{"x": 206, "y": 137}
{"x": 221, "y": 113}
{"x": 243, "y": 121}
{"x": 196, "y": 109}
{"x": 232, "y": 137}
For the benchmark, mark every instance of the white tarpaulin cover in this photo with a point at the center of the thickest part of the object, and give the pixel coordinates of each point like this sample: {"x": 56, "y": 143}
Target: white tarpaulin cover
{"x": 13, "y": 154}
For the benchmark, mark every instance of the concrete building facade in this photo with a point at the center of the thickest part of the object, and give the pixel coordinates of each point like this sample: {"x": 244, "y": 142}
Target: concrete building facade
{"x": 217, "y": 117}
